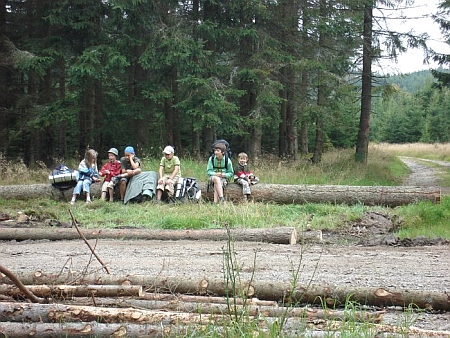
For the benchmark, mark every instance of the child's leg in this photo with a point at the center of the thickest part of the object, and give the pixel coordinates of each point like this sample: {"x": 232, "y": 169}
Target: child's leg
{"x": 104, "y": 190}
{"x": 158, "y": 194}
{"x": 76, "y": 191}
{"x": 87, "y": 189}
{"x": 245, "y": 187}
{"x": 111, "y": 194}
{"x": 74, "y": 198}
{"x": 169, "y": 186}
{"x": 123, "y": 187}
{"x": 218, "y": 189}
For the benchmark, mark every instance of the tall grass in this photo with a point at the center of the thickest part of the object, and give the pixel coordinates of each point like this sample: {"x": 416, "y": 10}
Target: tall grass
{"x": 337, "y": 167}
{"x": 436, "y": 151}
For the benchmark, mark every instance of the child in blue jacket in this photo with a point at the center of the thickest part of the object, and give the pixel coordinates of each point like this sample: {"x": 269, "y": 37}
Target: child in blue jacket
{"x": 88, "y": 173}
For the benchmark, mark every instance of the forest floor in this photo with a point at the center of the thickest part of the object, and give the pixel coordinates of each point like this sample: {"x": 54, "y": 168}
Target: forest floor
{"x": 361, "y": 254}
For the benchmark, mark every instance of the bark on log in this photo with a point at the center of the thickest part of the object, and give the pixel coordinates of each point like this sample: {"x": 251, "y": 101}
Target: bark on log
{"x": 390, "y": 196}
{"x": 279, "y": 292}
{"x": 60, "y": 313}
{"x": 95, "y": 329}
{"x": 151, "y": 296}
{"x": 229, "y": 307}
{"x": 69, "y": 291}
{"x": 90, "y": 329}
{"x": 339, "y": 295}
{"x": 279, "y": 235}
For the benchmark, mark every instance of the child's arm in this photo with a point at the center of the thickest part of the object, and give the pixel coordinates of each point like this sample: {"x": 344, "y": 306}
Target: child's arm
{"x": 176, "y": 169}
{"x": 209, "y": 168}
{"x": 116, "y": 169}
{"x": 104, "y": 171}
{"x": 229, "y": 172}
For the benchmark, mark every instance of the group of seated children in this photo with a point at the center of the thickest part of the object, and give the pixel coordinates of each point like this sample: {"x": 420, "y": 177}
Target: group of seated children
{"x": 219, "y": 170}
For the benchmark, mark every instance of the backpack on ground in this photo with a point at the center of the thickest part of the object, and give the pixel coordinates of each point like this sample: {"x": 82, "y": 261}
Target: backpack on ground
{"x": 227, "y": 154}
{"x": 187, "y": 190}
{"x": 62, "y": 177}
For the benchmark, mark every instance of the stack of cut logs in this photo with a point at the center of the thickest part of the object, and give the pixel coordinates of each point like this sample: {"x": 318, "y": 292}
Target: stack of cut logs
{"x": 73, "y": 305}
{"x": 136, "y": 306}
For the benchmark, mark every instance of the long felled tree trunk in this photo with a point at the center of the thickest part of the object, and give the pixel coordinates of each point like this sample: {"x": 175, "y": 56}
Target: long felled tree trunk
{"x": 277, "y": 193}
{"x": 333, "y": 295}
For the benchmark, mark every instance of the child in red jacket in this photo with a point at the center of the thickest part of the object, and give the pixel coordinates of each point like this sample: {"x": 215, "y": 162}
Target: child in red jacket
{"x": 244, "y": 176}
{"x": 109, "y": 170}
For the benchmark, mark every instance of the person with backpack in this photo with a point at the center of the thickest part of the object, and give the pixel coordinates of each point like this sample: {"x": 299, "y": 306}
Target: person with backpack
{"x": 219, "y": 170}
{"x": 87, "y": 174}
{"x": 244, "y": 176}
{"x": 109, "y": 170}
{"x": 169, "y": 173}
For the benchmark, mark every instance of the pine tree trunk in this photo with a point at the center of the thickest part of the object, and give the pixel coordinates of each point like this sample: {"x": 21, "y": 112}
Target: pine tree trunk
{"x": 83, "y": 329}
{"x": 69, "y": 291}
{"x": 60, "y": 313}
{"x": 362, "y": 143}
{"x": 280, "y": 292}
{"x": 390, "y": 196}
{"x": 280, "y": 235}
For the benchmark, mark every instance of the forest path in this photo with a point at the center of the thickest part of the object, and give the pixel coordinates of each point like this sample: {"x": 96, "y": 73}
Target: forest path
{"x": 425, "y": 175}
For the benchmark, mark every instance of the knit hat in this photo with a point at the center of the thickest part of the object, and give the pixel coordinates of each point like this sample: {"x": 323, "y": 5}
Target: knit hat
{"x": 113, "y": 151}
{"x": 168, "y": 150}
{"x": 129, "y": 149}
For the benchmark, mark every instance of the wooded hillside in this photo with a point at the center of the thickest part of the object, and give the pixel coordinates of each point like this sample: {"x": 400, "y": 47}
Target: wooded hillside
{"x": 278, "y": 78}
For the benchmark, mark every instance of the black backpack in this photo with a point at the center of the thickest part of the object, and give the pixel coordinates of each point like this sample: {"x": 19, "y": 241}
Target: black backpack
{"x": 228, "y": 152}
{"x": 188, "y": 190}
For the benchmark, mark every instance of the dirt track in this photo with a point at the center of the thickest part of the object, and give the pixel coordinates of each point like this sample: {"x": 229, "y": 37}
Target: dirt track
{"x": 393, "y": 267}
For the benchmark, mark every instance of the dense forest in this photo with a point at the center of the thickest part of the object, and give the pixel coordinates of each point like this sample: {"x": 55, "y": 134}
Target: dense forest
{"x": 418, "y": 110}
{"x": 290, "y": 78}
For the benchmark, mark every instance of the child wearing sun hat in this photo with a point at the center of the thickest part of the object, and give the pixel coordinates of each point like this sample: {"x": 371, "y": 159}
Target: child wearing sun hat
{"x": 169, "y": 173}
{"x": 109, "y": 170}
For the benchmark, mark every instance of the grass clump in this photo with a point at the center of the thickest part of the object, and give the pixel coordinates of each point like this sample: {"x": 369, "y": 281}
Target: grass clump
{"x": 425, "y": 219}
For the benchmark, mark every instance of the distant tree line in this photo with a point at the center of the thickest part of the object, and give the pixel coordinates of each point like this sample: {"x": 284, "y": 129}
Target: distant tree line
{"x": 288, "y": 77}
{"x": 418, "y": 111}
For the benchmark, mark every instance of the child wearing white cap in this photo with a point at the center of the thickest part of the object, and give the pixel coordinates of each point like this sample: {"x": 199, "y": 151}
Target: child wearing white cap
{"x": 109, "y": 170}
{"x": 169, "y": 173}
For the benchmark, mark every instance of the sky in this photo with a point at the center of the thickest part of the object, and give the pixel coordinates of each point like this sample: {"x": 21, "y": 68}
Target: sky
{"x": 412, "y": 60}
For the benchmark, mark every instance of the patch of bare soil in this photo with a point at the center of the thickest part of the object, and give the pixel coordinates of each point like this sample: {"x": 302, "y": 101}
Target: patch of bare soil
{"x": 361, "y": 254}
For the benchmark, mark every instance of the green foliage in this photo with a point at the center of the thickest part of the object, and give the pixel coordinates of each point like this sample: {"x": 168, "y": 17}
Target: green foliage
{"x": 408, "y": 117}
{"x": 425, "y": 219}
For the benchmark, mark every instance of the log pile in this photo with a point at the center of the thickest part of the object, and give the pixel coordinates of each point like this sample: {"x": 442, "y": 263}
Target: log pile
{"x": 121, "y": 308}
{"x": 72, "y": 304}
{"x": 390, "y": 196}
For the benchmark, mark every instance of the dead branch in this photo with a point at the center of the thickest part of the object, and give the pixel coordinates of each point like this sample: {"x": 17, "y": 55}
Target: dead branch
{"x": 74, "y": 222}
{"x": 28, "y": 294}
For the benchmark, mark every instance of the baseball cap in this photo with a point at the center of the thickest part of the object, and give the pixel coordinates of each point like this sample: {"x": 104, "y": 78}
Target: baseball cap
{"x": 168, "y": 150}
{"x": 129, "y": 149}
{"x": 113, "y": 151}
